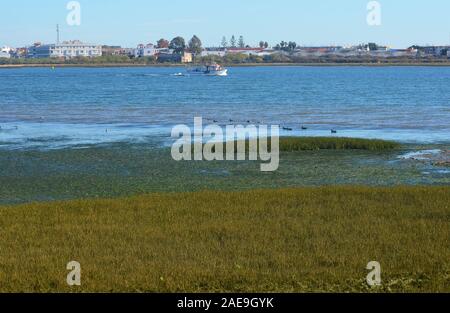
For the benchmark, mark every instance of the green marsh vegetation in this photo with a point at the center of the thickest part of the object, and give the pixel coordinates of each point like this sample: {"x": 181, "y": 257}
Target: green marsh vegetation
{"x": 119, "y": 170}
{"x": 292, "y": 144}
{"x": 287, "y": 240}
{"x": 138, "y": 221}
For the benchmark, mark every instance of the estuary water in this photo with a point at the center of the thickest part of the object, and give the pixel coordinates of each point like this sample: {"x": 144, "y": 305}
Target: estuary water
{"x": 48, "y": 108}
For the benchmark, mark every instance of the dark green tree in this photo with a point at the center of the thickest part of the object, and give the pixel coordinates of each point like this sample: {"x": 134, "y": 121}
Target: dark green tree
{"x": 241, "y": 42}
{"x": 291, "y": 46}
{"x": 178, "y": 45}
{"x": 195, "y": 45}
{"x": 285, "y": 46}
{"x": 224, "y": 42}
{"x": 162, "y": 43}
{"x": 233, "y": 42}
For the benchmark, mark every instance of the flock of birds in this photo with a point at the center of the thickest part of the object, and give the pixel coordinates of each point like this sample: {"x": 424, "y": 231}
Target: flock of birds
{"x": 285, "y": 128}
{"x": 333, "y": 131}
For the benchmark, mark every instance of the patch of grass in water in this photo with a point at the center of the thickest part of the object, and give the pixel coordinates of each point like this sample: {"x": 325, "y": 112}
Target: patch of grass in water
{"x": 290, "y": 144}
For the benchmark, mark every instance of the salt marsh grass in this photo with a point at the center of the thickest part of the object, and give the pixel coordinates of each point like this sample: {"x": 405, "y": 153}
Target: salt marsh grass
{"x": 290, "y": 144}
{"x": 287, "y": 240}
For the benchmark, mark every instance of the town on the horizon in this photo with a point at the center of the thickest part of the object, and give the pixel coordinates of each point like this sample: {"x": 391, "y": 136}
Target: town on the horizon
{"x": 178, "y": 50}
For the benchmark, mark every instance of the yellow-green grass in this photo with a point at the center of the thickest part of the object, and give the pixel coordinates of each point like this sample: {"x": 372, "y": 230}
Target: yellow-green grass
{"x": 289, "y": 240}
{"x": 289, "y": 144}
{"x": 292, "y": 144}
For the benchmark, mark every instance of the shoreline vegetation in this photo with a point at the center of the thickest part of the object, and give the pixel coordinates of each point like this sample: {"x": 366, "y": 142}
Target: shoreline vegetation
{"x": 317, "y": 239}
{"x": 229, "y": 61}
{"x": 168, "y": 65}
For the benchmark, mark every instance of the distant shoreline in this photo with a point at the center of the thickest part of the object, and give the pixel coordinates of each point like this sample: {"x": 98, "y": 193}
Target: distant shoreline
{"x": 12, "y": 66}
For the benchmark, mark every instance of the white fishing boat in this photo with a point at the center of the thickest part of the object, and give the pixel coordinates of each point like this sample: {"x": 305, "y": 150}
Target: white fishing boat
{"x": 212, "y": 69}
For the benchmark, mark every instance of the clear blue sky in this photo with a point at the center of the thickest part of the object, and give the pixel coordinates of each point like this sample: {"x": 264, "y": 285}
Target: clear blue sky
{"x": 308, "y": 22}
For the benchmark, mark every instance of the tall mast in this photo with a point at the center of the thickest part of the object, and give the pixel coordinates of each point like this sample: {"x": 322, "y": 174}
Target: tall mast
{"x": 57, "y": 34}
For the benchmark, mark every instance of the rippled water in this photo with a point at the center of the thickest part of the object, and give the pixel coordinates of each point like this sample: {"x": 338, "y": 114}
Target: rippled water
{"x": 41, "y": 107}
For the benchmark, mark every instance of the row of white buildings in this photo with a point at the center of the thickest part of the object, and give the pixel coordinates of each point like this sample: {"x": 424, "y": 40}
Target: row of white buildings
{"x": 312, "y": 52}
{"x": 149, "y": 50}
{"x": 71, "y": 49}
{"x": 67, "y": 49}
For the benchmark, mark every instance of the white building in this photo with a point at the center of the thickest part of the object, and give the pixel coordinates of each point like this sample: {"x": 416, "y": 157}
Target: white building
{"x": 71, "y": 49}
{"x": 67, "y": 49}
{"x": 6, "y": 49}
{"x": 402, "y": 52}
{"x": 5, "y": 52}
{"x": 5, "y": 55}
{"x": 246, "y": 51}
{"x": 213, "y": 52}
{"x": 149, "y": 50}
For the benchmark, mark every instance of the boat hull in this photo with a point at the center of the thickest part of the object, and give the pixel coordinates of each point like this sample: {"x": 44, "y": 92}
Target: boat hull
{"x": 223, "y": 72}
{"x": 218, "y": 73}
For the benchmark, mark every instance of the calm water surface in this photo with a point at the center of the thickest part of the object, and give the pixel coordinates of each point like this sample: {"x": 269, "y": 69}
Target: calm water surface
{"x": 45, "y": 108}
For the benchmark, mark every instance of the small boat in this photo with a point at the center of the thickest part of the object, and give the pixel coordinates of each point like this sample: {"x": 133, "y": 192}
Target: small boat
{"x": 212, "y": 69}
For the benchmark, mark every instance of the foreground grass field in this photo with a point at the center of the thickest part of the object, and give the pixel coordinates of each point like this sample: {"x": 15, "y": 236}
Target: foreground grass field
{"x": 289, "y": 240}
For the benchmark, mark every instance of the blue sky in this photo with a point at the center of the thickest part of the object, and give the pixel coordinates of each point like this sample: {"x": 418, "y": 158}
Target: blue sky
{"x": 308, "y": 22}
